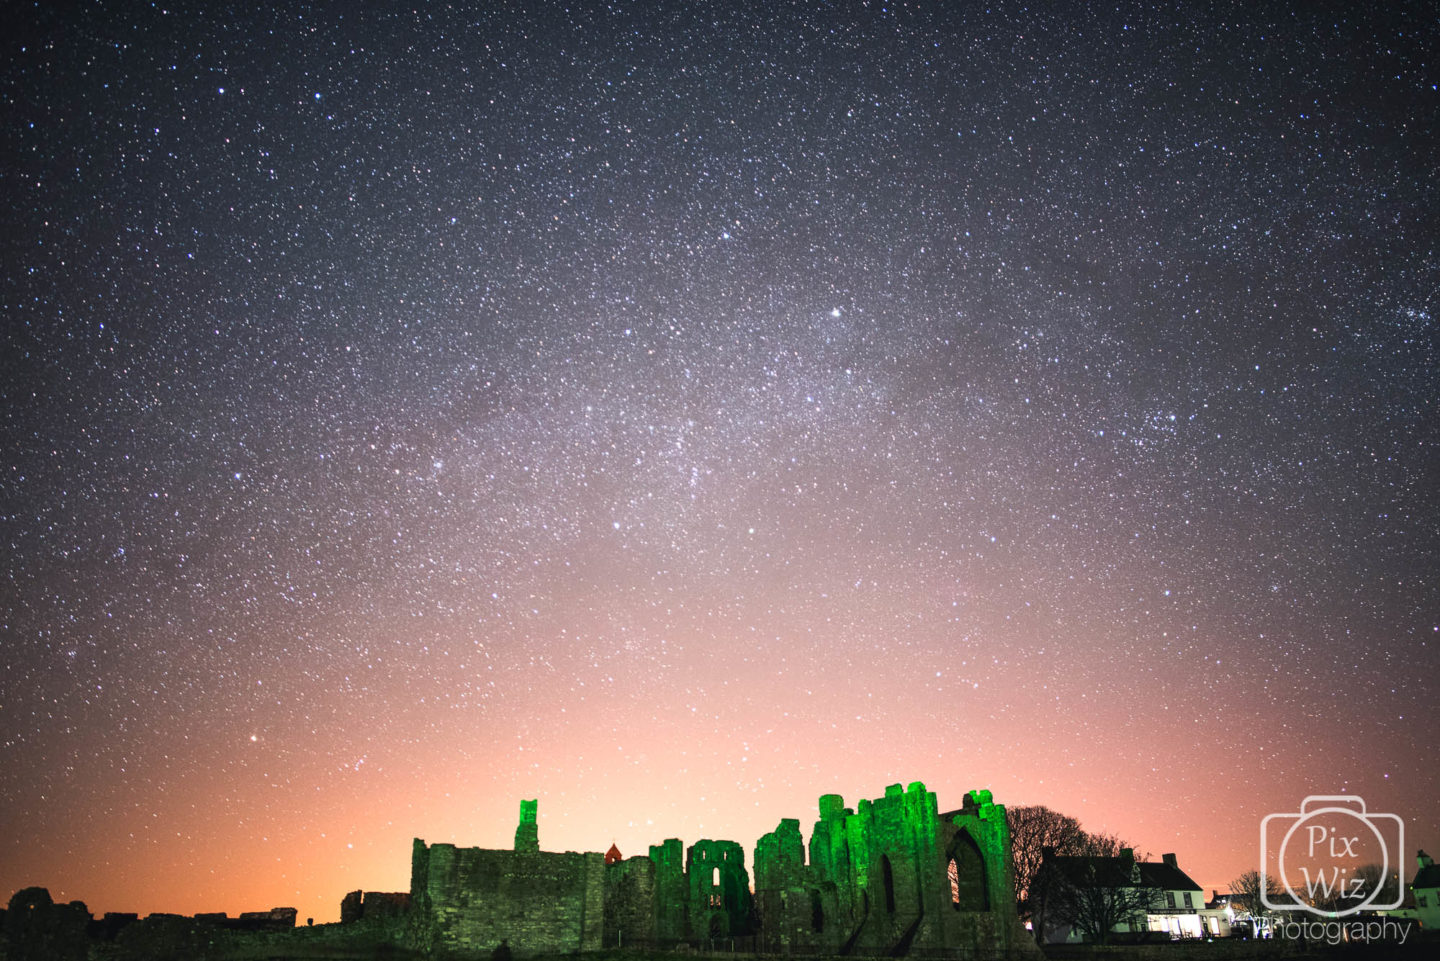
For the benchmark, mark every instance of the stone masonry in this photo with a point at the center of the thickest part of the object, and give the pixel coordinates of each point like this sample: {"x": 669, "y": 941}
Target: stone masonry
{"x": 891, "y": 877}
{"x": 527, "y": 832}
{"x": 469, "y": 900}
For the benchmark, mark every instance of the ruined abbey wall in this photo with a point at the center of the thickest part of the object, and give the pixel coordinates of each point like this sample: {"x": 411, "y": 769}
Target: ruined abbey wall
{"x": 671, "y": 898}
{"x": 719, "y": 899}
{"x": 891, "y": 877}
{"x": 471, "y": 899}
{"x": 631, "y": 916}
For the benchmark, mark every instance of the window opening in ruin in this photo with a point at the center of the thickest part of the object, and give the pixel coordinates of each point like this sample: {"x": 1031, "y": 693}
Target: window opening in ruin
{"x": 968, "y": 888}
{"x": 889, "y": 882}
{"x": 715, "y": 878}
{"x": 817, "y": 913}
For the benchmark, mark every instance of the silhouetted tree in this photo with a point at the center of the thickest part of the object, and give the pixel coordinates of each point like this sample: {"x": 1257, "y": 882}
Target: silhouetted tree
{"x": 1092, "y": 891}
{"x": 1107, "y": 846}
{"x": 1033, "y": 828}
{"x": 1251, "y": 890}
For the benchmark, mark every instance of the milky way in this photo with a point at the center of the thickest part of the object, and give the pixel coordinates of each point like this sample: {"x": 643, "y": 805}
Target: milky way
{"x": 676, "y": 413}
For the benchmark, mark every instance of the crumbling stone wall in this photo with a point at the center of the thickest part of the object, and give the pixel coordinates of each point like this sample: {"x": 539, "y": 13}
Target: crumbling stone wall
{"x": 656, "y": 902}
{"x": 630, "y": 907}
{"x": 891, "y": 877}
{"x": 110, "y": 926}
{"x": 38, "y": 929}
{"x": 720, "y": 901}
{"x": 360, "y": 905}
{"x": 351, "y": 906}
{"x": 471, "y": 899}
{"x": 982, "y": 898}
{"x": 672, "y": 913}
{"x": 276, "y": 919}
{"x": 796, "y": 908}
{"x": 879, "y": 881}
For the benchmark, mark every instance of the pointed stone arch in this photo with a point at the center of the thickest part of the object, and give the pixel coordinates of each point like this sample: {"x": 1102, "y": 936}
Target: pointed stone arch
{"x": 965, "y": 865}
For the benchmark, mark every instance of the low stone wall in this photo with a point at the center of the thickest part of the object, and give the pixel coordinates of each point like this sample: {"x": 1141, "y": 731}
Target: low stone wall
{"x": 184, "y": 939}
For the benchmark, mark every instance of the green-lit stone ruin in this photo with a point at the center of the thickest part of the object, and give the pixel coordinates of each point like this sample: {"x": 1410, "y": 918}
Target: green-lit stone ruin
{"x": 890, "y": 877}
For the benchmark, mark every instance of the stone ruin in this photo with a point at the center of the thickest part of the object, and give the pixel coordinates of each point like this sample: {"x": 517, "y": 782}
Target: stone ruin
{"x": 35, "y": 928}
{"x": 891, "y": 877}
{"x": 372, "y": 905}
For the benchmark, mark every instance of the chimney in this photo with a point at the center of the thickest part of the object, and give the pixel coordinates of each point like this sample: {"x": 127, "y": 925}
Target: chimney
{"x": 1047, "y": 852}
{"x": 1127, "y": 854}
{"x": 1169, "y": 859}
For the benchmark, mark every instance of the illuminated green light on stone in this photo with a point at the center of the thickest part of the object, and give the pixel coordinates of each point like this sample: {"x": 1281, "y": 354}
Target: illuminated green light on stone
{"x": 891, "y": 877}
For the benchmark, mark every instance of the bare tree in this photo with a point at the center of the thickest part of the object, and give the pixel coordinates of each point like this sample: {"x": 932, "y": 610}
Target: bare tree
{"x": 1254, "y": 888}
{"x": 1250, "y": 891}
{"x": 1105, "y": 846}
{"x": 1093, "y": 892}
{"x": 1033, "y": 828}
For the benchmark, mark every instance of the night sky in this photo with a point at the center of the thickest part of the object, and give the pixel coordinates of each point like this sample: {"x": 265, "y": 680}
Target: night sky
{"x": 676, "y": 412}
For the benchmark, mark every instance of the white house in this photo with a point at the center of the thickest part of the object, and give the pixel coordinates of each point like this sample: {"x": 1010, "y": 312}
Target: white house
{"x": 1146, "y": 898}
{"x": 1180, "y": 900}
{"x": 1425, "y": 887}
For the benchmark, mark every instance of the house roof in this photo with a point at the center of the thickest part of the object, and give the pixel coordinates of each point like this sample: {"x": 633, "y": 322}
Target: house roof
{"x": 1114, "y": 872}
{"x": 1168, "y": 877}
{"x": 1083, "y": 870}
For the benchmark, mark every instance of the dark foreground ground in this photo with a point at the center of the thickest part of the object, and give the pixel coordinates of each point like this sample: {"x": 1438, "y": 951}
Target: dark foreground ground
{"x": 320, "y": 949}
{"x": 183, "y": 939}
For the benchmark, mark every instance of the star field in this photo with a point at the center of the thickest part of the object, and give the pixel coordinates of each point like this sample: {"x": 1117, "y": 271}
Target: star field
{"x": 677, "y": 412}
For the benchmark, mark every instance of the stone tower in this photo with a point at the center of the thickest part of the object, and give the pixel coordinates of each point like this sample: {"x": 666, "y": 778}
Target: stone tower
{"x": 527, "y": 833}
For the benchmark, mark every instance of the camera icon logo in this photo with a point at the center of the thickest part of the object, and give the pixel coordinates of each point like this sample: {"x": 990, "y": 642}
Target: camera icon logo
{"x": 1332, "y": 858}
